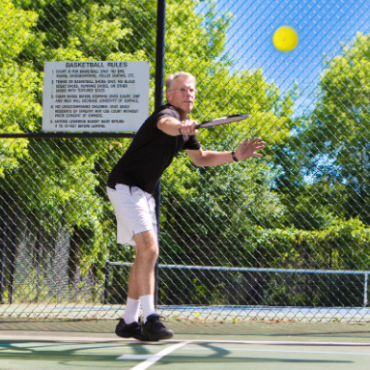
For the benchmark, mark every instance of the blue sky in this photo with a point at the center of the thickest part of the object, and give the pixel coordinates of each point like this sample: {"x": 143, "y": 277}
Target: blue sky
{"x": 321, "y": 25}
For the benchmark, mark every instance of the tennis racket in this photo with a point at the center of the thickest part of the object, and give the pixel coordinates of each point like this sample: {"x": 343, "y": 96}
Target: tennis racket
{"x": 222, "y": 121}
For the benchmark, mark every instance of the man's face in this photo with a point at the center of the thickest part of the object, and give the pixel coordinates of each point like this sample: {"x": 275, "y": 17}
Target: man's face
{"x": 182, "y": 94}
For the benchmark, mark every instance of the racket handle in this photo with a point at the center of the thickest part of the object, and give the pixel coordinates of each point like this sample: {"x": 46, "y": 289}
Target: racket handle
{"x": 196, "y": 127}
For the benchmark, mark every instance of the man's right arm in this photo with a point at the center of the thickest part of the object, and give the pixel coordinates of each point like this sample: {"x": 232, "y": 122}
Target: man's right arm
{"x": 173, "y": 127}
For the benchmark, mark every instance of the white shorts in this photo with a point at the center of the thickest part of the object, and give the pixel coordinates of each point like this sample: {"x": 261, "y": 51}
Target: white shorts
{"x": 135, "y": 212}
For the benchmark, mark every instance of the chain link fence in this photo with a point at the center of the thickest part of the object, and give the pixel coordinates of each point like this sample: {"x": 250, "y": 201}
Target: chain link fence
{"x": 284, "y": 237}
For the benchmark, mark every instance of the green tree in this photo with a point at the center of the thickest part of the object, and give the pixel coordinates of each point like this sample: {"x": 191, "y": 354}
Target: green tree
{"x": 56, "y": 183}
{"x": 207, "y": 212}
{"x": 336, "y": 137}
{"x": 61, "y": 182}
{"x": 19, "y": 84}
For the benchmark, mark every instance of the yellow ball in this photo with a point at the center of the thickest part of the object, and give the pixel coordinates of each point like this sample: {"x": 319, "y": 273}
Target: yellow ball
{"x": 285, "y": 39}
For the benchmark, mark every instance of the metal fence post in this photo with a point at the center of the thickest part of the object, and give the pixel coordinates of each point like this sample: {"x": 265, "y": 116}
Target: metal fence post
{"x": 12, "y": 257}
{"x": 106, "y": 282}
{"x": 3, "y": 247}
{"x": 365, "y": 288}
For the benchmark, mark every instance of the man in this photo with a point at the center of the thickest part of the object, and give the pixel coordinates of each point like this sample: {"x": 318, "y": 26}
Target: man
{"x": 132, "y": 183}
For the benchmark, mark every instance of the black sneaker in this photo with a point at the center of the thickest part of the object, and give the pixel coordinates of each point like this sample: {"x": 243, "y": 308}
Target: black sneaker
{"x": 127, "y": 331}
{"x": 154, "y": 330}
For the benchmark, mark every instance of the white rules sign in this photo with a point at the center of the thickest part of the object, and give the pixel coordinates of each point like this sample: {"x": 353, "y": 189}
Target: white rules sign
{"x": 95, "y": 96}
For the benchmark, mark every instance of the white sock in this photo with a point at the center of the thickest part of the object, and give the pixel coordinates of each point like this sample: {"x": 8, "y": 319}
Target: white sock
{"x": 132, "y": 311}
{"x": 147, "y": 304}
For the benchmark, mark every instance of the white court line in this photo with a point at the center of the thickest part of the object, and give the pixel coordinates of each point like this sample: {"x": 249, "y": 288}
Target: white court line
{"x": 284, "y": 343}
{"x": 151, "y": 359}
{"x": 87, "y": 340}
{"x": 276, "y": 350}
{"x": 92, "y": 339}
{"x": 134, "y": 357}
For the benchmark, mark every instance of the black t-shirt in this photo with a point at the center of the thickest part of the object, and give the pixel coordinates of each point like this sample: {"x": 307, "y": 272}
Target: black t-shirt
{"x": 150, "y": 153}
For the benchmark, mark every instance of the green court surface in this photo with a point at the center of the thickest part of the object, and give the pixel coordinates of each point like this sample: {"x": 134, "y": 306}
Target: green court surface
{"x": 92, "y": 345}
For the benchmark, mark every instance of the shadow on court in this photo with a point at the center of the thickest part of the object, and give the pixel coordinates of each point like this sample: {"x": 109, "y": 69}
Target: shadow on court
{"x": 60, "y": 352}
{"x": 93, "y": 344}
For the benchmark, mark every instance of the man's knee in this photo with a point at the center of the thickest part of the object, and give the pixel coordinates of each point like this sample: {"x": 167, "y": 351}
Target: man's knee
{"x": 146, "y": 245}
{"x": 151, "y": 252}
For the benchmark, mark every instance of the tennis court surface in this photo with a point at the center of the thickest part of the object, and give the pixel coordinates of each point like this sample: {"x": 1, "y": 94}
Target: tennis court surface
{"x": 92, "y": 344}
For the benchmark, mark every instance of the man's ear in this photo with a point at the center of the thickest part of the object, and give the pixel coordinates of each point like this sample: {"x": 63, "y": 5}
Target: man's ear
{"x": 167, "y": 94}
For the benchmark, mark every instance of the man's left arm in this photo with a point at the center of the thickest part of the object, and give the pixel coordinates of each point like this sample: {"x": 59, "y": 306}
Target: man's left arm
{"x": 247, "y": 149}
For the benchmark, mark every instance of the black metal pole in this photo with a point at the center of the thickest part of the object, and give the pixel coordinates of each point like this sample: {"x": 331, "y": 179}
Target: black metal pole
{"x": 106, "y": 282}
{"x": 38, "y": 261}
{"x": 3, "y": 246}
{"x": 12, "y": 255}
{"x": 159, "y": 78}
{"x": 159, "y": 67}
